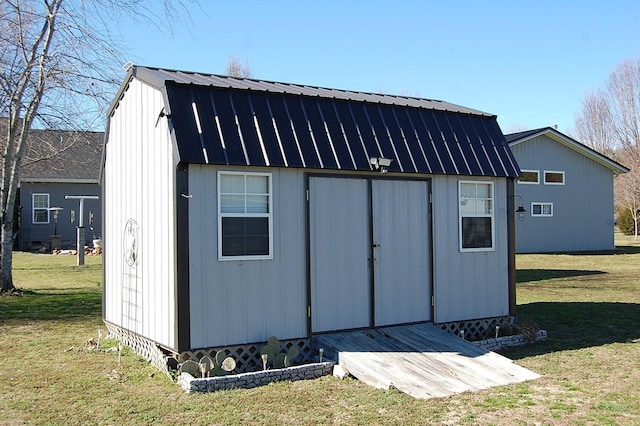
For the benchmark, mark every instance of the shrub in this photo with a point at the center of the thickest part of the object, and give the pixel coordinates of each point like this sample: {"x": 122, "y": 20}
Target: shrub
{"x": 625, "y": 221}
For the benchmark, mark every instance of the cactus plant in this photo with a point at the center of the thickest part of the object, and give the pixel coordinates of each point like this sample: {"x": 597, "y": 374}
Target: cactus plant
{"x": 191, "y": 367}
{"x": 277, "y": 354}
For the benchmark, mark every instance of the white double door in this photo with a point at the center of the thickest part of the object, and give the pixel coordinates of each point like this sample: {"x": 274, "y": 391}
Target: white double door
{"x": 369, "y": 245}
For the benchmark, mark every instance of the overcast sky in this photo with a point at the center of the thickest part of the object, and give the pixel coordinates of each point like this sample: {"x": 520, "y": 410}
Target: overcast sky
{"x": 530, "y": 63}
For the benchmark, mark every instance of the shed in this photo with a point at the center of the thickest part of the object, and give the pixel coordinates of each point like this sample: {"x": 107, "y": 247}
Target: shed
{"x": 238, "y": 209}
{"x": 567, "y": 190}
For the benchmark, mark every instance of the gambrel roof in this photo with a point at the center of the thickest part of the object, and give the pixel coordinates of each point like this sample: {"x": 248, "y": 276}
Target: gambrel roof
{"x": 245, "y": 122}
{"x": 520, "y": 137}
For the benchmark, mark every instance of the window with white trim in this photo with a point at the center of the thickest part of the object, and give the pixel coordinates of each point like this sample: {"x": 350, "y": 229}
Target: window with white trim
{"x": 244, "y": 216}
{"x": 530, "y": 177}
{"x": 541, "y": 209}
{"x": 552, "y": 177}
{"x": 476, "y": 215}
{"x": 40, "y": 207}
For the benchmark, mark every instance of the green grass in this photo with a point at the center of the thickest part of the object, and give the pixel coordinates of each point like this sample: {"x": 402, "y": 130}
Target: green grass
{"x": 589, "y": 304}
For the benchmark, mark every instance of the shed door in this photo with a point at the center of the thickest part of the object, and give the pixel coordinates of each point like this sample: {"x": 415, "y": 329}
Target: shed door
{"x": 369, "y": 253}
{"x": 339, "y": 248}
{"x": 401, "y": 240}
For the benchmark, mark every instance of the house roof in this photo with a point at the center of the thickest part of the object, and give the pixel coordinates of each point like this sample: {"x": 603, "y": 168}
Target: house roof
{"x": 520, "y": 137}
{"x": 245, "y": 122}
{"x": 62, "y": 156}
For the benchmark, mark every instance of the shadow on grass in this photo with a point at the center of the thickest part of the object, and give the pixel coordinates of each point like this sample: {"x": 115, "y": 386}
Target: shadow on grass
{"x": 577, "y": 325}
{"x": 529, "y": 275}
{"x": 48, "y": 306}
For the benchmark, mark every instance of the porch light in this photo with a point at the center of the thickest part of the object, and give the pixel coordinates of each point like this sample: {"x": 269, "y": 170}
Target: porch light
{"x": 380, "y": 163}
{"x": 55, "y": 211}
{"x": 520, "y": 211}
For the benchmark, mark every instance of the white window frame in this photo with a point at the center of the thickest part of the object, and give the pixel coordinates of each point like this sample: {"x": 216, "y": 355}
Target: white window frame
{"x": 553, "y": 171}
{"x": 491, "y": 215}
{"x": 34, "y": 208}
{"x": 268, "y": 215}
{"x": 542, "y": 205}
{"x": 537, "y": 172}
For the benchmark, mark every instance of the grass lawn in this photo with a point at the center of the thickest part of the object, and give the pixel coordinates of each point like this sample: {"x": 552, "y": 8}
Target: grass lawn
{"x": 588, "y": 303}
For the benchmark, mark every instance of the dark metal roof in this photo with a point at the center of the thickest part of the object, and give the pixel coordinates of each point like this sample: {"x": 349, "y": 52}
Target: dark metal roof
{"x": 243, "y": 122}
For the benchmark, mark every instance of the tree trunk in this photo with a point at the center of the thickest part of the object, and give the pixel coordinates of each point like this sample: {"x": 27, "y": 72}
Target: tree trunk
{"x": 6, "y": 258}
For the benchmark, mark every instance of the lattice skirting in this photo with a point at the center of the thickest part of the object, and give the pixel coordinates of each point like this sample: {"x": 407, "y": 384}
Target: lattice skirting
{"x": 477, "y": 329}
{"x": 143, "y": 347}
{"x": 247, "y": 357}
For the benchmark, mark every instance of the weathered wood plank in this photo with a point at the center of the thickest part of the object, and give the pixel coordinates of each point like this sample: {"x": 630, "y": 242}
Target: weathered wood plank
{"x": 420, "y": 360}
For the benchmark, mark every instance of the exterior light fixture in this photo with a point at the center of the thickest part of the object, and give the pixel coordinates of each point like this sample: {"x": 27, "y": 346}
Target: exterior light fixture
{"x": 520, "y": 211}
{"x": 55, "y": 211}
{"x": 380, "y": 163}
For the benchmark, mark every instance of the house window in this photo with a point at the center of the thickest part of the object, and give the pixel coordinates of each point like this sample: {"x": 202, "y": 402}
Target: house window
{"x": 530, "y": 177}
{"x": 244, "y": 216}
{"x": 476, "y": 215}
{"x": 542, "y": 209}
{"x": 553, "y": 178}
{"x": 40, "y": 203}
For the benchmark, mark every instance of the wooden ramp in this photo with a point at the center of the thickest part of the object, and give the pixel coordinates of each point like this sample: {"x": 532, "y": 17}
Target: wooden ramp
{"x": 420, "y": 360}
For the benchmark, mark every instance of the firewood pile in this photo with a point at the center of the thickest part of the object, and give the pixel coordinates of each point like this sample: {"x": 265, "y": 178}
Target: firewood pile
{"x": 88, "y": 251}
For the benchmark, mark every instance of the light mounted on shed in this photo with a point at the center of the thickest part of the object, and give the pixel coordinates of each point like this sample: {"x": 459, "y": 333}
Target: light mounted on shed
{"x": 380, "y": 163}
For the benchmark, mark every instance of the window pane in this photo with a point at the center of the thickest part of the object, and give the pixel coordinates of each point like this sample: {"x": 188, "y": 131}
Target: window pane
{"x": 257, "y": 204}
{"x": 257, "y": 184}
{"x": 483, "y": 190}
{"x": 232, "y": 184}
{"x": 554, "y": 177}
{"x": 546, "y": 209}
{"x": 41, "y": 216}
{"x": 41, "y": 201}
{"x": 487, "y": 207}
{"x": 476, "y": 232}
{"x": 467, "y": 190}
{"x": 243, "y": 236}
{"x": 529, "y": 177}
{"x": 232, "y": 204}
{"x": 468, "y": 206}
{"x": 536, "y": 209}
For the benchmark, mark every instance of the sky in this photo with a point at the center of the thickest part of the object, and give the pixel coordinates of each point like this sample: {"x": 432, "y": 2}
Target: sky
{"x": 530, "y": 63}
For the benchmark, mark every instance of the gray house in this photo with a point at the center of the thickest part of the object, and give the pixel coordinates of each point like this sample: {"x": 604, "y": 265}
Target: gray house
{"x": 567, "y": 190}
{"x": 58, "y": 163}
{"x": 248, "y": 208}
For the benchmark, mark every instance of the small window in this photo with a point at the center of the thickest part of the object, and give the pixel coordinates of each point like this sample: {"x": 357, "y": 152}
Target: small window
{"x": 40, "y": 208}
{"x": 542, "y": 209}
{"x": 476, "y": 216}
{"x": 530, "y": 177}
{"x": 244, "y": 216}
{"x": 553, "y": 178}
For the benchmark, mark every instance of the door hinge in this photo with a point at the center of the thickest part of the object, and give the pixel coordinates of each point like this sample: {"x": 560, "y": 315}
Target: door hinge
{"x": 430, "y": 197}
{"x": 433, "y": 301}
{"x": 307, "y": 195}
{"x": 309, "y": 311}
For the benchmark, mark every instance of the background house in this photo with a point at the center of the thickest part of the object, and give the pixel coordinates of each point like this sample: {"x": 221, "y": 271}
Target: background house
{"x": 567, "y": 190}
{"x": 59, "y": 163}
{"x": 247, "y": 209}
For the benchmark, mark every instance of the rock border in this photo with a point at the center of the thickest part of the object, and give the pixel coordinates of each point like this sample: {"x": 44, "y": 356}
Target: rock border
{"x": 253, "y": 379}
{"x": 509, "y": 341}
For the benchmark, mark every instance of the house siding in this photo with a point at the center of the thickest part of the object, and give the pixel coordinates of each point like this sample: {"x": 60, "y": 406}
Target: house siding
{"x": 583, "y": 212}
{"x": 240, "y": 301}
{"x": 32, "y": 234}
{"x": 139, "y": 182}
{"x": 468, "y": 285}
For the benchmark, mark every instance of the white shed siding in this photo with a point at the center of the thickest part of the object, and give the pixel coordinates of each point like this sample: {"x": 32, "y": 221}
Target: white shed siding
{"x": 242, "y": 301}
{"x": 469, "y": 284}
{"x": 138, "y": 184}
{"x": 582, "y": 208}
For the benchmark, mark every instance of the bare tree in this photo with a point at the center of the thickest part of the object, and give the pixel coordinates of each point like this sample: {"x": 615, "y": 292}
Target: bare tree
{"x": 627, "y": 186}
{"x": 235, "y": 68}
{"x": 609, "y": 122}
{"x": 55, "y": 73}
{"x": 594, "y": 123}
